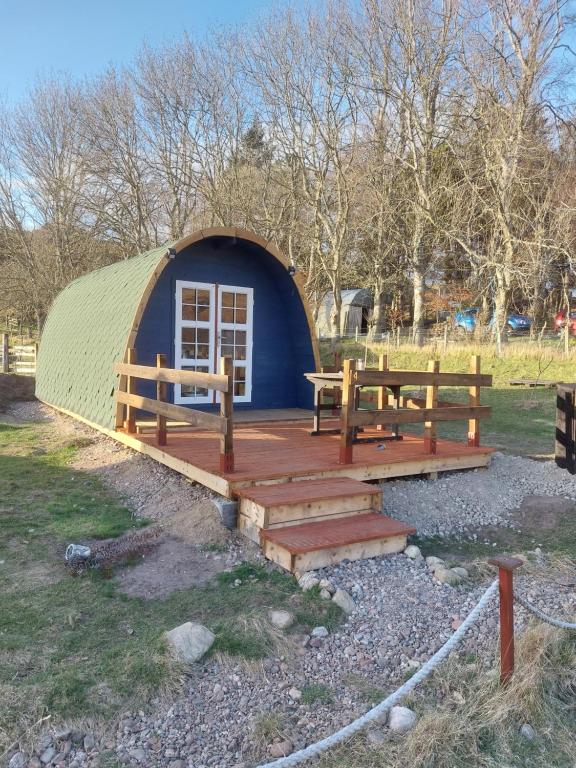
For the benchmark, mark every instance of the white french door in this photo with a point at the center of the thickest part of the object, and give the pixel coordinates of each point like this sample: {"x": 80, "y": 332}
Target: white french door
{"x": 212, "y": 321}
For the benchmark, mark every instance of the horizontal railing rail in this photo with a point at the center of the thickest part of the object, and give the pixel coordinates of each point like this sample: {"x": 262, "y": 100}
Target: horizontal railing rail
{"x": 129, "y": 401}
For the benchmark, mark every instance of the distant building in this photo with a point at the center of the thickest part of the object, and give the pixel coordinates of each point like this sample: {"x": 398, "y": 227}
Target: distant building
{"x": 355, "y": 314}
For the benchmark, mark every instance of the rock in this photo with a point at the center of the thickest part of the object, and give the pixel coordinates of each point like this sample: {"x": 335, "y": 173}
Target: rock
{"x": 462, "y": 572}
{"x": 281, "y": 619}
{"x": 412, "y": 551}
{"x": 34, "y": 763}
{"x": 18, "y": 760}
{"x": 89, "y": 742}
{"x": 325, "y": 595}
{"x": 47, "y": 755}
{"x": 344, "y": 601}
{"x": 62, "y": 735}
{"x": 376, "y": 736}
{"x": 138, "y": 754}
{"x": 308, "y": 581}
{"x": 327, "y": 585}
{"x": 320, "y": 632}
{"x": 280, "y": 748}
{"x": 228, "y": 511}
{"x": 446, "y": 576}
{"x": 433, "y": 562}
{"x": 401, "y": 719}
{"x": 190, "y": 641}
{"x": 295, "y": 694}
{"x": 528, "y": 732}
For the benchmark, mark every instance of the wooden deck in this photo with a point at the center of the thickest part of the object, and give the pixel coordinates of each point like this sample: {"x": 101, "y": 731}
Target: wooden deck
{"x": 284, "y": 451}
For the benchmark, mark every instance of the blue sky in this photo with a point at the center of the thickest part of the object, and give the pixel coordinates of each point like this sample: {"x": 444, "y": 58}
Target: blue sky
{"x": 45, "y": 37}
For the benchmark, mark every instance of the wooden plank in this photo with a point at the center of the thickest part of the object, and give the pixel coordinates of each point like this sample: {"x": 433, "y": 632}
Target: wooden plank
{"x": 311, "y": 561}
{"x": 348, "y": 402}
{"x": 314, "y": 490}
{"x": 474, "y": 401}
{"x": 430, "y": 430}
{"x": 162, "y": 397}
{"x": 174, "y": 376}
{"x": 413, "y": 416}
{"x": 178, "y": 412}
{"x": 130, "y": 422}
{"x": 313, "y": 536}
{"x": 226, "y": 416}
{"x": 420, "y": 378}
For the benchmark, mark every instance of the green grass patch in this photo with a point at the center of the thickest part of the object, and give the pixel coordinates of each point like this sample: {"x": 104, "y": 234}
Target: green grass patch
{"x": 74, "y": 647}
{"x": 317, "y": 693}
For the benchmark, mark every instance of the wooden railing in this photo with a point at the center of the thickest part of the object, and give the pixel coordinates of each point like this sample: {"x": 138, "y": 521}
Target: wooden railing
{"x": 130, "y": 401}
{"x": 410, "y": 410}
{"x": 17, "y": 358}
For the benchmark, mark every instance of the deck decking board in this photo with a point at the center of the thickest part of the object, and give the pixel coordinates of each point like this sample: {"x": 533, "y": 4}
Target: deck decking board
{"x": 287, "y": 494}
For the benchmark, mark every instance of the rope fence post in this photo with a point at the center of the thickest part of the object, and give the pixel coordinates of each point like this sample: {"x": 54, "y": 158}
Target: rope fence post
{"x": 506, "y": 567}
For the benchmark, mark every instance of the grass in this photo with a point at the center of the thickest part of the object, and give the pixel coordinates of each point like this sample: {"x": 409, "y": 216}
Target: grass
{"x": 522, "y": 420}
{"x": 77, "y": 645}
{"x": 467, "y": 720}
{"x": 317, "y": 694}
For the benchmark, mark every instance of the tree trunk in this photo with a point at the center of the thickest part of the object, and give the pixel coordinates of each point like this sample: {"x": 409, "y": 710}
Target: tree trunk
{"x": 379, "y": 313}
{"x": 500, "y": 305}
{"x": 418, "y": 302}
{"x": 335, "y": 317}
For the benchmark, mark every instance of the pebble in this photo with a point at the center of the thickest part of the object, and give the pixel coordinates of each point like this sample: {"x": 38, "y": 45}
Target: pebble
{"x": 280, "y": 749}
{"x": 528, "y": 732}
{"x": 308, "y": 581}
{"x": 281, "y": 619}
{"x": 401, "y": 720}
{"x": 320, "y": 632}
{"x": 343, "y": 600}
{"x": 412, "y": 551}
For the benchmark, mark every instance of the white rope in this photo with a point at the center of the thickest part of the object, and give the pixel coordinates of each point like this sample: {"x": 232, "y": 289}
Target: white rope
{"x": 376, "y": 712}
{"x": 543, "y": 616}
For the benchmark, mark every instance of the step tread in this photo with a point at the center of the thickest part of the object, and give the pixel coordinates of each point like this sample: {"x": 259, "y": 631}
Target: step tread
{"x": 310, "y": 537}
{"x": 303, "y": 491}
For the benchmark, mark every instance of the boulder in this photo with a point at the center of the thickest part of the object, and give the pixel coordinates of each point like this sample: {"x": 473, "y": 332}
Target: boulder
{"x": 447, "y": 576}
{"x": 344, "y": 601}
{"x": 280, "y": 748}
{"x": 281, "y": 619}
{"x": 190, "y": 641}
{"x": 401, "y": 719}
{"x": 412, "y": 551}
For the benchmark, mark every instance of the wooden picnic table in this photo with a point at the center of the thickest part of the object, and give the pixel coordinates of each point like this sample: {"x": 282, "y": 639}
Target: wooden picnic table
{"x": 322, "y": 381}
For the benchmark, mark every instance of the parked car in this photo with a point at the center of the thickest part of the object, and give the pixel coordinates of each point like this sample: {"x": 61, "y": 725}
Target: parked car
{"x": 515, "y": 323}
{"x": 560, "y": 321}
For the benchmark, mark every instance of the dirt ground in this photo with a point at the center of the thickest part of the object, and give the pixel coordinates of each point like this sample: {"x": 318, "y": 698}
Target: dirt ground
{"x": 194, "y": 547}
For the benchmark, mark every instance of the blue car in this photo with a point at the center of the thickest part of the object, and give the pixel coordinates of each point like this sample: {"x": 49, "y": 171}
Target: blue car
{"x": 515, "y": 323}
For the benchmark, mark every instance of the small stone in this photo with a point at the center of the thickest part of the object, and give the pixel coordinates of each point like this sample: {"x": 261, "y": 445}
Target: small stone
{"x": 281, "y": 619}
{"x": 433, "y": 562}
{"x": 18, "y": 760}
{"x": 401, "y": 719}
{"x": 325, "y": 594}
{"x": 138, "y": 754}
{"x": 89, "y": 742}
{"x": 280, "y": 748}
{"x": 190, "y": 641}
{"x": 446, "y": 576}
{"x": 462, "y": 572}
{"x": 295, "y": 694}
{"x": 327, "y": 585}
{"x": 308, "y": 581}
{"x": 376, "y": 736}
{"x": 528, "y": 732}
{"x": 412, "y": 551}
{"x": 47, "y": 755}
{"x": 320, "y": 632}
{"x": 344, "y": 601}
{"x": 34, "y": 763}
{"x": 456, "y": 622}
{"x": 62, "y": 735}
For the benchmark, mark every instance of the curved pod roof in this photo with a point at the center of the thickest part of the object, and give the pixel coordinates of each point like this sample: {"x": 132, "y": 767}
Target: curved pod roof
{"x": 95, "y": 319}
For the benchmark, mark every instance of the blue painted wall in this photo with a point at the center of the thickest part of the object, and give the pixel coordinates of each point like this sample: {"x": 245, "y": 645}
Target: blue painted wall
{"x": 282, "y": 349}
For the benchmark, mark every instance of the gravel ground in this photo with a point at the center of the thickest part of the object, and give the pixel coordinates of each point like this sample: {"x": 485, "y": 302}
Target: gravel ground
{"x": 459, "y": 501}
{"x": 227, "y": 713}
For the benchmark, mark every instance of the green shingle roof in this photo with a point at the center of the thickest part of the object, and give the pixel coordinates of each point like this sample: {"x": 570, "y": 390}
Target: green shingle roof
{"x": 86, "y": 332}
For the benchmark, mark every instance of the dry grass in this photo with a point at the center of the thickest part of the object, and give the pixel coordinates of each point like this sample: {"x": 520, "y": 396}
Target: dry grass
{"x": 467, "y": 720}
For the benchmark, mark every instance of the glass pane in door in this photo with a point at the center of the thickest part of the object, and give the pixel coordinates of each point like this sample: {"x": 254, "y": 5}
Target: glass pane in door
{"x": 235, "y": 336}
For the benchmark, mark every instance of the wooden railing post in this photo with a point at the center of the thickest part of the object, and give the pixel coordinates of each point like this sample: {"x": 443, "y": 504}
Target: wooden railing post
{"x": 430, "y": 427}
{"x": 5, "y": 353}
{"x": 348, "y": 400}
{"x": 161, "y": 396}
{"x": 506, "y": 567}
{"x": 473, "y": 400}
{"x": 382, "y": 401}
{"x": 130, "y": 422}
{"x": 226, "y": 412}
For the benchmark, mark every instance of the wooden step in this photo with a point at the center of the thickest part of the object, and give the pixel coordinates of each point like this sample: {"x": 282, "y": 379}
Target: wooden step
{"x": 317, "y": 544}
{"x": 270, "y": 506}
